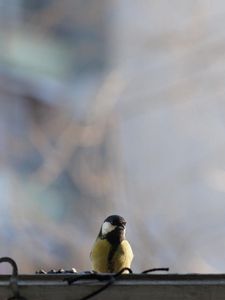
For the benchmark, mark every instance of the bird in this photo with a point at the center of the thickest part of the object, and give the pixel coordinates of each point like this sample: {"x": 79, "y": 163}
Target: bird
{"x": 111, "y": 252}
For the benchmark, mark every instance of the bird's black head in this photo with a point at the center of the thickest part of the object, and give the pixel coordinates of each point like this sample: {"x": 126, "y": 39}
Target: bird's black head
{"x": 116, "y": 220}
{"x": 113, "y": 229}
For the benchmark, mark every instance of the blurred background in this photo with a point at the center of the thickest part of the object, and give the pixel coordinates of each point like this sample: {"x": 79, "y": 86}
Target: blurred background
{"x": 112, "y": 107}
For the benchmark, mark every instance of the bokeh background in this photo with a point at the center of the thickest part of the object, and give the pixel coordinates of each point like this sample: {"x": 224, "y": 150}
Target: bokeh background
{"x": 112, "y": 107}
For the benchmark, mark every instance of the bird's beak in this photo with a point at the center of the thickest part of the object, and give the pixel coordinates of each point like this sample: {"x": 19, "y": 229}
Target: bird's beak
{"x": 122, "y": 226}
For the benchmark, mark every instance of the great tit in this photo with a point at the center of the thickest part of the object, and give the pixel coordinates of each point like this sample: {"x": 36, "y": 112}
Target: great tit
{"x": 111, "y": 252}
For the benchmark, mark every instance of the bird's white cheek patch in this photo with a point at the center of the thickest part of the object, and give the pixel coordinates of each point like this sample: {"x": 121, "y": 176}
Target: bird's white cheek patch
{"x": 107, "y": 227}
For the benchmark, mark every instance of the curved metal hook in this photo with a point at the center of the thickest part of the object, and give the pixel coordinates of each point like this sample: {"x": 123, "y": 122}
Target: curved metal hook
{"x": 13, "y": 279}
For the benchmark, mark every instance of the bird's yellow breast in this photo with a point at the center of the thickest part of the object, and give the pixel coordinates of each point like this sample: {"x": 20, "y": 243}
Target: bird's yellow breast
{"x": 100, "y": 256}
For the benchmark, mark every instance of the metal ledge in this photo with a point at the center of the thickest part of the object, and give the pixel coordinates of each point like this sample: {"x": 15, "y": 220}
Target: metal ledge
{"x": 129, "y": 286}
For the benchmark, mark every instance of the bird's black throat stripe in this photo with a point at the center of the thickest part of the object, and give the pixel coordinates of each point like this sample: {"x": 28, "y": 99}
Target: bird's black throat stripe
{"x": 110, "y": 257}
{"x": 114, "y": 237}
